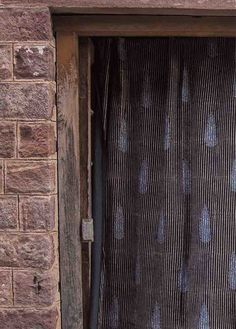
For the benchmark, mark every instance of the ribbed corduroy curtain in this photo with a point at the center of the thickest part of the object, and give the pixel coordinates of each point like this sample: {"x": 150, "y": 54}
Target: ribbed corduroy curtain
{"x": 168, "y": 112}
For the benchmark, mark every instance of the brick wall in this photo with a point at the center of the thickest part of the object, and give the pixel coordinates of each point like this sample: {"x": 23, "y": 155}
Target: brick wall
{"x": 29, "y": 297}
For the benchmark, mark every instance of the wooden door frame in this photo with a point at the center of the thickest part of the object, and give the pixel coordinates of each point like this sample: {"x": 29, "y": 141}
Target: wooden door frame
{"x": 74, "y": 139}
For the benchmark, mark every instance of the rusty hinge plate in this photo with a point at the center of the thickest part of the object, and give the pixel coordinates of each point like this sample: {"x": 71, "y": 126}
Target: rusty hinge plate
{"x": 87, "y": 230}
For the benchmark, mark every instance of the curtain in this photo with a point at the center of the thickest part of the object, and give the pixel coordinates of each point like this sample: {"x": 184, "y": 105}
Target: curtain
{"x": 167, "y": 108}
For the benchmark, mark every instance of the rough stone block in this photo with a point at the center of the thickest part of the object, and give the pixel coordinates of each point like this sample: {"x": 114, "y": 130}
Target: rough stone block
{"x": 26, "y": 251}
{"x": 30, "y": 177}
{"x": 34, "y": 62}
{"x": 5, "y": 62}
{"x": 6, "y": 298}
{"x": 7, "y": 139}
{"x": 26, "y": 101}
{"x": 8, "y": 212}
{"x": 36, "y": 289}
{"x": 29, "y": 319}
{"x": 25, "y": 24}
{"x": 37, "y": 213}
{"x": 37, "y": 140}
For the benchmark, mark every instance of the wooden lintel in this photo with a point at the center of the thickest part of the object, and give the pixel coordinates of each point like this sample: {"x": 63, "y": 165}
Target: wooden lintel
{"x": 146, "y": 26}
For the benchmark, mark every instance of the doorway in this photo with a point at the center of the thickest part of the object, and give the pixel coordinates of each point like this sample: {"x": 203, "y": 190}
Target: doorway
{"x": 167, "y": 119}
{"x": 70, "y": 132}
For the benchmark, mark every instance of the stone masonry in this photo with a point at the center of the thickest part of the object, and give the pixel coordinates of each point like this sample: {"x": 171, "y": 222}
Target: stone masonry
{"x": 29, "y": 296}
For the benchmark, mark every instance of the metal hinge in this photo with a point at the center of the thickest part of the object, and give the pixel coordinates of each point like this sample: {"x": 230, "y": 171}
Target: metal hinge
{"x": 87, "y": 230}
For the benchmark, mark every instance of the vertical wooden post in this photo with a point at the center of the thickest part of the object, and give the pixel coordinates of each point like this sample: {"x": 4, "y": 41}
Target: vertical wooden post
{"x": 85, "y": 163}
{"x": 69, "y": 180}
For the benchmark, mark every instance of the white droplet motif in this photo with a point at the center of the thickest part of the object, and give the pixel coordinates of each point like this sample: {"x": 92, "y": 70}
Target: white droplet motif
{"x": 185, "y": 86}
{"x": 233, "y": 177}
{"x": 210, "y": 136}
{"x": 167, "y": 134}
{"x": 161, "y": 228}
{"x": 143, "y": 177}
{"x": 119, "y": 223}
{"x": 114, "y": 314}
{"x": 205, "y": 226}
{"x": 137, "y": 271}
{"x": 182, "y": 279}
{"x": 232, "y": 272}
{"x": 204, "y": 318}
{"x": 156, "y": 318}
{"x": 123, "y": 136}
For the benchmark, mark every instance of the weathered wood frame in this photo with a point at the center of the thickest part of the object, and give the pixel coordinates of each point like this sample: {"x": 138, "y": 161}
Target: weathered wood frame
{"x": 73, "y": 96}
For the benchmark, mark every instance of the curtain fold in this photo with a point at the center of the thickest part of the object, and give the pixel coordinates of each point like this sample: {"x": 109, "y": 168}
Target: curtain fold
{"x": 168, "y": 114}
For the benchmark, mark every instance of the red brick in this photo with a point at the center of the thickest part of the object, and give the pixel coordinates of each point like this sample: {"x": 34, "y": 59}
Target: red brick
{"x": 37, "y": 213}
{"x": 35, "y": 288}
{"x": 26, "y": 101}
{"x": 23, "y": 24}
{"x": 37, "y": 140}
{"x": 7, "y": 139}
{"x": 8, "y": 212}
{"x": 5, "y": 62}
{"x": 34, "y": 62}
{"x": 30, "y": 177}
{"x": 29, "y": 319}
{"x": 6, "y": 297}
{"x": 26, "y": 251}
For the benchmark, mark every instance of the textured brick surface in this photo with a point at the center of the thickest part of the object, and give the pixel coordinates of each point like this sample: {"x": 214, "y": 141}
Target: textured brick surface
{"x": 5, "y": 62}
{"x": 26, "y": 101}
{"x": 7, "y": 139}
{"x": 23, "y": 24}
{"x": 37, "y": 213}
{"x": 24, "y": 251}
{"x": 34, "y": 62}
{"x": 36, "y": 140}
{"x": 35, "y": 289}
{"x": 30, "y": 177}
{"x": 29, "y": 319}
{"x": 8, "y": 212}
{"x": 6, "y": 297}
{"x": 28, "y": 249}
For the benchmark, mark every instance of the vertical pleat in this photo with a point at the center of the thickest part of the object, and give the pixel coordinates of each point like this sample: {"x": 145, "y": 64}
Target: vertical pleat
{"x": 168, "y": 115}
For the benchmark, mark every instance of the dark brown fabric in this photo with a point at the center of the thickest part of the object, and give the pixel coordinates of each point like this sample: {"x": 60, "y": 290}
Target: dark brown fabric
{"x": 169, "y": 245}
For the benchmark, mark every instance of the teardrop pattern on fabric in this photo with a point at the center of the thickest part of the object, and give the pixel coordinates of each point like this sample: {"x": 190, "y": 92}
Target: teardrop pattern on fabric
{"x": 183, "y": 279}
{"x": 143, "y": 177}
{"x": 167, "y": 134}
{"x": 203, "y": 318}
{"x": 137, "y": 274}
{"x": 185, "y": 86}
{"x": 210, "y": 136}
{"x": 156, "y": 318}
{"x": 186, "y": 178}
{"x": 114, "y": 314}
{"x": 123, "y": 137}
{"x": 146, "y": 90}
{"x": 205, "y": 226}
{"x": 233, "y": 177}
{"x": 161, "y": 228}
{"x": 232, "y": 272}
{"x": 212, "y": 47}
{"x": 121, "y": 49}
{"x": 119, "y": 222}
{"x": 234, "y": 82}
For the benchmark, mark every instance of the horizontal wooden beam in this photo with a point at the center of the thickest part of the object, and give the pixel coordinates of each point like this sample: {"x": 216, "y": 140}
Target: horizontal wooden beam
{"x": 148, "y": 26}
